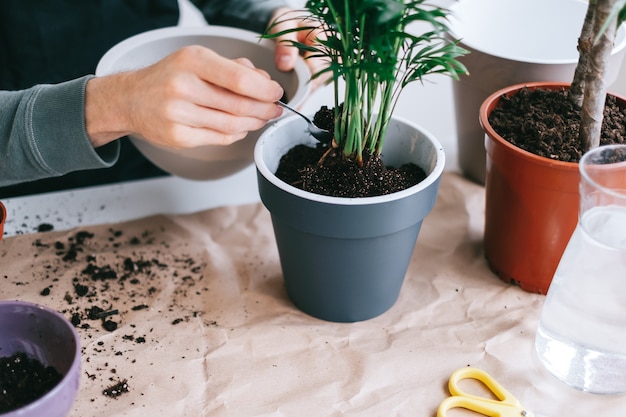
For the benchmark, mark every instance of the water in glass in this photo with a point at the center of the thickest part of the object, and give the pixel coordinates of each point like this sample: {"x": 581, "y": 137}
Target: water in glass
{"x": 581, "y": 337}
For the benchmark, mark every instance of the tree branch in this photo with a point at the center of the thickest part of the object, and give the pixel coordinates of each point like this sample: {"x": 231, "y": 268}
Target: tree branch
{"x": 595, "y": 87}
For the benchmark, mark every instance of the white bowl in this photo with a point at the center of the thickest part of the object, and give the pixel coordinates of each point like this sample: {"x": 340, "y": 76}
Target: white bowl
{"x": 211, "y": 161}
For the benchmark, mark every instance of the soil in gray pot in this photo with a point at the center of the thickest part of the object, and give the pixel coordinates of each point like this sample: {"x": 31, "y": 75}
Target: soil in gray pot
{"x": 546, "y": 123}
{"x": 325, "y": 170}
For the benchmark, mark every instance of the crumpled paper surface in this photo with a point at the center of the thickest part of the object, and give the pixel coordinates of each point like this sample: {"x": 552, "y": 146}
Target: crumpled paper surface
{"x": 204, "y": 326}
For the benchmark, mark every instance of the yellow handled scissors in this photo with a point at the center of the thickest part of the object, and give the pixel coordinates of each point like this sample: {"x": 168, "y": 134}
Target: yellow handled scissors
{"x": 506, "y": 404}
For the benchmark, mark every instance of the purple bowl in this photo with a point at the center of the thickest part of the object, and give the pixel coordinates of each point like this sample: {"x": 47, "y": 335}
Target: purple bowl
{"x": 47, "y": 336}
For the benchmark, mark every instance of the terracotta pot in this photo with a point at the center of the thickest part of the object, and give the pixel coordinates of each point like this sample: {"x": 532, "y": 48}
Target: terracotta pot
{"x": 531, "y": 206}
{"x": 3, "y": 218}
{"x": 498, "y": 58}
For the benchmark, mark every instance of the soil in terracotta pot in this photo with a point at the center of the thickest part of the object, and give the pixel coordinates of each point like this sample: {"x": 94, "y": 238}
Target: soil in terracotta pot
{"x": 546, "y": 123}
{"x": 23, "y": 380}
{"x": 324, "y": 170}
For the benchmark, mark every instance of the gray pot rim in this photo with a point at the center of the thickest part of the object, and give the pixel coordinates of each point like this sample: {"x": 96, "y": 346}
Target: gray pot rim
{"x": 431, "y": 177}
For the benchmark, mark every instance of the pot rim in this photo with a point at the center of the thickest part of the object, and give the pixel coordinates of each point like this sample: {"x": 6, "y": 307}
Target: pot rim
{"x": 492, "y": 101}
{"x": 108, "y": 62}
{"x": 436, "y": 172}
{"x": 3, "y": 214}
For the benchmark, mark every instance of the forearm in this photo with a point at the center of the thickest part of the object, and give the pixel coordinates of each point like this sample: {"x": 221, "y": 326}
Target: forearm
{"x": 106, "y": 115}
{"x": 42, "y": 133}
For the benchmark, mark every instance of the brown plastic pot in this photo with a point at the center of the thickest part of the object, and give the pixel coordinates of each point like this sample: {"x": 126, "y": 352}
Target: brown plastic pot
{"x": 3, "y": 218}
{"x": 531, "y": 205}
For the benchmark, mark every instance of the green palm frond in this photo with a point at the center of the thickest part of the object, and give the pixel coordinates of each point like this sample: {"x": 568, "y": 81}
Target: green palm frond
{"x": 368, "y": 44}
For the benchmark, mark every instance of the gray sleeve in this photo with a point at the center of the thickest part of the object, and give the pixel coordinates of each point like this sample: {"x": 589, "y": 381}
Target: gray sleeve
{"x": 245, "y": 14}
{"x": 42, "y": 133}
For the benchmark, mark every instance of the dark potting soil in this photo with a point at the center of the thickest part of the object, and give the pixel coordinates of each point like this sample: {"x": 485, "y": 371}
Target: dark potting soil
{"x": 325, "y": 170}
{"x": 23, "y": 380}
{"x": 546, "y": 123}
{"x": 117, "y": 389}
{"x": 106, "y": 283}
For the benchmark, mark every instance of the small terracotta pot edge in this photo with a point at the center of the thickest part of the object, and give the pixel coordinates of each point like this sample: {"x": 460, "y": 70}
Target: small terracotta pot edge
{"x": 3, "y": 218}
{"x": 492, "y": 101}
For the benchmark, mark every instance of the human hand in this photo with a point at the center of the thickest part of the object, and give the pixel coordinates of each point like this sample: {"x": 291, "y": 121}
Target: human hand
{"x": 285, "y": 55}
{"x": 190, "y": 98}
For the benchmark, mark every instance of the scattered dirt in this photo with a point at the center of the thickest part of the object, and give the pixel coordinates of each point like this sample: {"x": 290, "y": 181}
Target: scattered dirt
{"x": 325, "y": 170}
{"x": 117, "y": 389}
{"x": 23, "y": 380}
{"x": 546, "y": 123}
{"x": 105, "y": 284}
{"x": 45, "y": 227}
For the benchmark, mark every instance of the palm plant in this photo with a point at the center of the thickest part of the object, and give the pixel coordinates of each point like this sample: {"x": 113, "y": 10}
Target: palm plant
{"x": 588, "y": 89}
{"x": 368, "y": 46}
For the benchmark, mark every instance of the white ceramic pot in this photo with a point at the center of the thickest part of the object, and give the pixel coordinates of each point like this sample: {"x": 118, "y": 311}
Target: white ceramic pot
{"x": 204, "y": 162}
{"x": 513, "y": 42}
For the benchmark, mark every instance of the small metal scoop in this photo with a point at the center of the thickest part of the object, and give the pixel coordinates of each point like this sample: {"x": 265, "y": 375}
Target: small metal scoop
{"x": 320, "y": 134}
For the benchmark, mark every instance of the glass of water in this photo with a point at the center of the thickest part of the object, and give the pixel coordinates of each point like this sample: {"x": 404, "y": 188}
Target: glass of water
{"x": 581, "y": 337}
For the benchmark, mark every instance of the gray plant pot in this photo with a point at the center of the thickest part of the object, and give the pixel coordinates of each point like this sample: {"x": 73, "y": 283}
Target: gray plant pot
{"x": 344, "y": 259}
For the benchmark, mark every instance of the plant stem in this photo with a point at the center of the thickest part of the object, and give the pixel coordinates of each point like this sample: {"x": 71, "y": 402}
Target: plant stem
{"x": 585, "y": 42}
{"x": 367, "y": 46}
{"x": 595, "y": 88}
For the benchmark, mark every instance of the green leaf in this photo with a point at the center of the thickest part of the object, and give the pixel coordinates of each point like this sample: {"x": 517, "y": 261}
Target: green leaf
{"x": 366, "y": 44}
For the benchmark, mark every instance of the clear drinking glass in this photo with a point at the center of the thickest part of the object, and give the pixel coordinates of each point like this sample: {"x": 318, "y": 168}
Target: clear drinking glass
{"x": 581, "y": 337}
